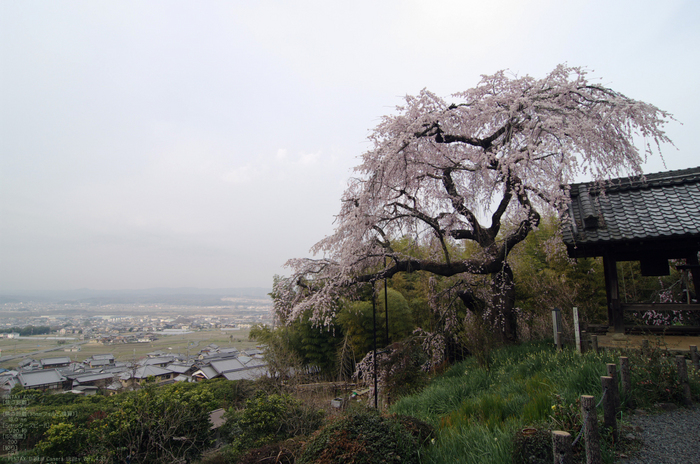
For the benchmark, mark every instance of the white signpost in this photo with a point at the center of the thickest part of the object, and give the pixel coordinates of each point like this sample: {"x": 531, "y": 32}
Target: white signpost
{"x": 577, "y": 332}
{"x": 556, "y": 325}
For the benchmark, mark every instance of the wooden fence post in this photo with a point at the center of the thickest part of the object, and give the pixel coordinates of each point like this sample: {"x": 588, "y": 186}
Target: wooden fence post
{"x": 694, "y": 356}
{"x": 590, "y": 424}
{"x": 682, "y": 368}
{"x": 559, "y": 342}
{"x": 626, "y": 379}
{"x": 577, "y": 331}
{"x": 584, "y": 341}
{"x": 556, "y": 322}
{"x": 612, "y": 372}
{"x": 594, "y": 343}
{"x": 609, "y": 406}
{"x": 561, "y": 444}
{"x": 645, "y": 346}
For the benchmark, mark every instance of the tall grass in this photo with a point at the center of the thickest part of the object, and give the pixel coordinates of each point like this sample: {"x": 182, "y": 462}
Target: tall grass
{"x": 475, "y": 444}
{"x": 479, "y": 411}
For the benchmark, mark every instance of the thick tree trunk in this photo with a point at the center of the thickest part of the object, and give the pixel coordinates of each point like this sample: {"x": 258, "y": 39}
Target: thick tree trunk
{"x": 504, "y": 317}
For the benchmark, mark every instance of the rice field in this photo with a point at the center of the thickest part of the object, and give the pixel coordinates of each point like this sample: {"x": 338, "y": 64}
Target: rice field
{"x": 36, "y": 347}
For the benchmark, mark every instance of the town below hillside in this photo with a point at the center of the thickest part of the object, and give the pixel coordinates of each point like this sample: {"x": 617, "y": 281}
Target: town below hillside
{"x": 78, "y": 329}
{"x": 86, "y": 347}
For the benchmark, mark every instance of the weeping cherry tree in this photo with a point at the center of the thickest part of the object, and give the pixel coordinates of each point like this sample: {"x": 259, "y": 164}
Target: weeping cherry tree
{"x": 480, "y": 168}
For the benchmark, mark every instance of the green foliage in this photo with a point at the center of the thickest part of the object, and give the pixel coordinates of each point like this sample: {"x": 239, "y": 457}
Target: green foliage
{"x": 301, "y": 343}
{"x": 493, "y": 402}
{"x": 402, "y": 372}
{"x": 655, "y": 378}
{"x": 270, "y": 419}
{"x": 154, "y": 424}
{"x": 224, "y": 455}
{"x": 361, "y": 437}
{"x": 227, "y": 393}
{"x": 158, "y": 425}
{"x": 533, "y": 447}
{"x": 28, "y": 330}
{"x": 565, "y": 416}
{"x": 63, "y": 440}
{"x": 481, "y": 412}
{"x": 415, "y": 288}
{"x": 421, "y": 431}
{"x": 478, "y": 337}
{"x": 356, "y": 319}
{"x": 546, "y": 278}
{"x": 31, "y": 396}
{"x": 45, "y": 410}
{"x": 279, "y": 453}
{"x": 281, "y": 349}
{"x": 634, "y": 287}
{"x": 319, "y": 345}
{"x": 473, "y": 444}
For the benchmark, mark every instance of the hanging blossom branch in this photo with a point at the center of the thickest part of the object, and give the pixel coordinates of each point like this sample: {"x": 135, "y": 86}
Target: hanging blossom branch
{"x": 505, "y": 150}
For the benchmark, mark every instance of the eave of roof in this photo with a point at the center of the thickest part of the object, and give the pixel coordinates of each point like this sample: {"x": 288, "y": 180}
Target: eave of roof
{"x": 632, "y": 216}
{"x": 39, "y": 378}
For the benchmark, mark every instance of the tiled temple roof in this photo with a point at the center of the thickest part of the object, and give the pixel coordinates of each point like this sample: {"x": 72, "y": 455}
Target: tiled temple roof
{"x": 658, "y": 213}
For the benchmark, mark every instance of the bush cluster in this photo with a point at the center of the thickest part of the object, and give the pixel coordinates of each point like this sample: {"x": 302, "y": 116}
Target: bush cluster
{"x": 270, "y": 419}
{"x": 363, "y": 437}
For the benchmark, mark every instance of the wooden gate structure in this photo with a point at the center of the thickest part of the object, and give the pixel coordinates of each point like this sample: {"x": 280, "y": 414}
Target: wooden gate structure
{"x": 650, "y": 219}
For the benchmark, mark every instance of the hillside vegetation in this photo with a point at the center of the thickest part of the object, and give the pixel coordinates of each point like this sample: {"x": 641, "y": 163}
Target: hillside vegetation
{"x": 480, "y": 412}
{"x": 470, "y": 413}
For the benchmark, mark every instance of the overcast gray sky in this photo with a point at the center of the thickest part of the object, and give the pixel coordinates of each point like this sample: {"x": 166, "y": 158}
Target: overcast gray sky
{"x": 176, "y": 143}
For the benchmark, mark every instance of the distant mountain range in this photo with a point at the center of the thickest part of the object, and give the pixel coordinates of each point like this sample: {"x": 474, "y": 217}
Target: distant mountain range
{"x": 182, "y": 295}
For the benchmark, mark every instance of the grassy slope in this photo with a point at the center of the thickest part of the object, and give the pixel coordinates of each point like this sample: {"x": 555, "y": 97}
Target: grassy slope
{"x": 478, "y": 411}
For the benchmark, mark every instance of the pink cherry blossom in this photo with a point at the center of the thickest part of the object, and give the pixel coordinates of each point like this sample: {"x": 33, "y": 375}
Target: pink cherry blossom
{"x": 479, "y": 167}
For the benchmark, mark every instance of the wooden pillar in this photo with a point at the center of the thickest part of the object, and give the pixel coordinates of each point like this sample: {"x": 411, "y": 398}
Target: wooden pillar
{"x": 645, "y": 347}
{"x": 612, "y": 291}
{"x": 612, "y": 372}
{"x": 626, "y": 379}
{"x": 561, "y": 444}
{"x": 590, "y": 425}
{"x": 682, "y": 369}
{"x": 609, "y": 406}
{"x": 692, "y": 260}
{"x": 694, "y": 357}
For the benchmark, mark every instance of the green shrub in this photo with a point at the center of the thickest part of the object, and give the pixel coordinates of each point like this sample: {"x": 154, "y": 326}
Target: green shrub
{"x": 62, "y": 441}
{"x": 269, "y": 419}
{"x": 402, "y": 372}
{"x": 156, "y": 425}
{"x": 228, "y": 393}
{"x": 224, "y": 455}
{"x": 655, "y": 378}
{"x": 361, "y": 437}
{"x": 284, "y": 452}
{"x": 533, "y": 446}
{"x": 421, "y": 431}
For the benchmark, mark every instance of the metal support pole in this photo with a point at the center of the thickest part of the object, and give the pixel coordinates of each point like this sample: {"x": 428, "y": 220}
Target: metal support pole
{"x": 386, "y": 306}
{"x": 374, "y": 349}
